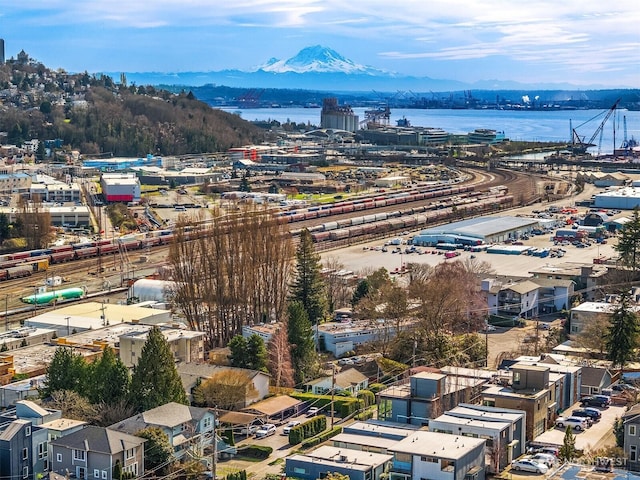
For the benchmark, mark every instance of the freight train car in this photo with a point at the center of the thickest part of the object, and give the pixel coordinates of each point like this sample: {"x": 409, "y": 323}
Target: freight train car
{"x": 54, "y": 296}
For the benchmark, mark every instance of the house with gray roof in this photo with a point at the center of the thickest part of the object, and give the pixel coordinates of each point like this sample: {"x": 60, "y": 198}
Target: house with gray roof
{"x": 594, "y": 379}
{"x": 93, "y": 452}
{"x": 23, "y": 449}
{"x": 187, "y": 428}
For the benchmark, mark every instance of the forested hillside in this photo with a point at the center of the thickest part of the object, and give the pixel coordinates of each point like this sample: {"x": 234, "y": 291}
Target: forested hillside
{"x": 95, "y": 115}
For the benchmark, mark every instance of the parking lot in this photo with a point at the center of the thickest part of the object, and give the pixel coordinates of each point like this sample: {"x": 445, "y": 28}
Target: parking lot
{"x": 591, "y": 438}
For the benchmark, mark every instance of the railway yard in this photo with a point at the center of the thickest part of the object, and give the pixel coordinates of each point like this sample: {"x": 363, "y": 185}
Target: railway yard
{"x": 102, "y": 265}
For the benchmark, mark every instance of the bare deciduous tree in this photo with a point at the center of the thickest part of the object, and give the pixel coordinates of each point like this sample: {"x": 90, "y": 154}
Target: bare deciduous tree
{"x": 279, "y": 352}
{"x": 233, "y": 271}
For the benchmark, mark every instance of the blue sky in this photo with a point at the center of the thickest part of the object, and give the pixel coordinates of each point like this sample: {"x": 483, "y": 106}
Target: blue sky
{"x": 586, "y": 42}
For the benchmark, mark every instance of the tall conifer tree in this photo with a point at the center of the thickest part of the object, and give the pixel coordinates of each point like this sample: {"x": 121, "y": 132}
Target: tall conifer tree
{"x": 155, "y": 380}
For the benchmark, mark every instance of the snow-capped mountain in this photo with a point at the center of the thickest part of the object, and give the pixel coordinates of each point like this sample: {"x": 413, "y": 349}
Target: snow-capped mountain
{"x": 318, "y": 59}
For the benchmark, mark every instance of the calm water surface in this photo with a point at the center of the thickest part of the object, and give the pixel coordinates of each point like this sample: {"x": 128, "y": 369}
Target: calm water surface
{"x": 517, "y": 125}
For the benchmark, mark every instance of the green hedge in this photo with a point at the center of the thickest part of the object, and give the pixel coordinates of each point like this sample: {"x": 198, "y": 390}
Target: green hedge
{"x": 255, "y": 451}
{"x": 367, "y": 397}
{"x": 345, "y": 406}
{"x": 241, "y": 475}
{"x": 308, "y": 429}
{"x": 317, "y": 440}
{"x": 376, "y": 387}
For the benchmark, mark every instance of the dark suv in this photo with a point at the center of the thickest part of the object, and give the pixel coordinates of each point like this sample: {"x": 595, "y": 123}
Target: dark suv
{"x": 601, "y": 401}
{"x": 590, "y": 413}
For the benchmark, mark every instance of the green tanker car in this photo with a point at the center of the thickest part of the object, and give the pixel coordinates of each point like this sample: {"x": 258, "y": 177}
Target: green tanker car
{"x": 54, "y": 296}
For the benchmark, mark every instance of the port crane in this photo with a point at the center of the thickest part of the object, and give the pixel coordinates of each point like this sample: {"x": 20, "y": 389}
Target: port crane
{"x": 578, "y": 145}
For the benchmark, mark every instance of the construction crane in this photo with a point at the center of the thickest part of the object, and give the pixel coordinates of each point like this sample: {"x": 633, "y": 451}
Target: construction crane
{"x": 628, "y": 144}
{"x": 578, "y": 145}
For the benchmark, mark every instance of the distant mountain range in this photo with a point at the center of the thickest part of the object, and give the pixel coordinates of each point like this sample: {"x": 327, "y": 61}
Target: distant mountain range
{"x": 317, "y": 68}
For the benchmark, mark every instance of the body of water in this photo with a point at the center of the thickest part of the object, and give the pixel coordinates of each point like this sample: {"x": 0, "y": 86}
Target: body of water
{"x": 537, "y": 126}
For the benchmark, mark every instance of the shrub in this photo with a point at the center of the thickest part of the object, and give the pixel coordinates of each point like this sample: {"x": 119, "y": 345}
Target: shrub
{"x": 376, "y": 387}
{"x": 255, "y": 451}
{"x": 308, "y": 429}
{"x": 367, "y": 397}
{"x": 345, "y": 406}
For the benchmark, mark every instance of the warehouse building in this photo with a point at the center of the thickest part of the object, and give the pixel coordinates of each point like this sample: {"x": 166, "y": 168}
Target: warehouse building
{"x": 478, "y": 230}
{"x": 626, "y": 198}
{"x": 120, "y": 187}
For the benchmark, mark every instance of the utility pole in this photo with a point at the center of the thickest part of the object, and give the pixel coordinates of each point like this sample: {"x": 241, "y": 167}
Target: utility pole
{"x": 333, "y": 391}
{"x": 214, "y": 458}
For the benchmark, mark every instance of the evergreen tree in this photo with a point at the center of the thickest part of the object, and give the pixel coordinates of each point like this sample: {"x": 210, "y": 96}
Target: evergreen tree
{"x": 308, "y": 286}
{"x": 622, "y": 335}
{"x": 155, "y": 380}
{"x": 300, "y": 336}
{"x": 67, "y": 371}
{"x": 256, "y": 353}
{"x": 109, "y": 379}
{"x": 361, "y": 291}
{"x": 238, "y": 347}
{"x": 568, "y": 449}
{"x": 244, "y": 183}
{"x": 629, "y": 241}
{"x": 157, "y": 449}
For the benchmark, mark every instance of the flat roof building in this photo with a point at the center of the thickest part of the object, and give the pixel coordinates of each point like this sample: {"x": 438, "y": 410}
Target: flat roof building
{"x": 486, "y": 229}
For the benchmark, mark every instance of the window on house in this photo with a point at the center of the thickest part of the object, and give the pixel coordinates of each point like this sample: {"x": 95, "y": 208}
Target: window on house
{"x": 25, "y": 472}
{"x": 130, "y": 453}
{"x": 96, "y": 473}
{"x": 632, "y": 430}
{"x": 79, "y": 455}
{"x": 82, "y": 472}
{"x": 633, "y": 453}
{"x": 43, "y": 450}
{"x": 59, "y": 457}
{"x": 25, "y": 453}
{"x": 104, "y": 474}
{"x": 206, "y": 423}
{"x": 27, "y": 430}
{"x": 45, "y": 465}
{"x": 516, "y": 378}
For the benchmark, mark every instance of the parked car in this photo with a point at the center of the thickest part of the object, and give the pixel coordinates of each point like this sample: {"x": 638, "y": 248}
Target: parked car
{"x": 581, "y": 413}
{"x": 529, "y": 466}
{"x": 287, "y": 428}
{"x": 313, "y": 411}
{"x": 601, "y": 401}
{"x": 249, "y": 429}
{"x": 577, "y": 423}
{"x": 266, "y": 430}
{"x": 545, "y": 458}
{"x": 588, "y": 412}
{"x": 623, "y": 387}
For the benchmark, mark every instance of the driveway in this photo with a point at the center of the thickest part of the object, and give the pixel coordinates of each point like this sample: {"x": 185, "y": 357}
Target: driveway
{"x": 598, "y": 435}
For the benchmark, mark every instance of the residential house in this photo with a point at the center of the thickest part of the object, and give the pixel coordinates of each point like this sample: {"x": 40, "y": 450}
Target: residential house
{"x": 191, "y": 374}
{"x": 502, "y": 428}
{"x": 357, "y": 465}
{"x": 594, "y": 379}
{"x": 587, "y": 277}
{"x": 588, "y": 312}
{"x": 187, "y": 428}
{"x": 426, "y": 395}
{"x": 23, "y": 449}
{"x": 92, "y": 453}
{"x": 570, "y": 389}
{"x": 631, "y": 422}
{"x": 339, "y": 338}
{"x": 438, "y": 456}
{"x": 527, "y": 388}
{"x": 349, "y": 380}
